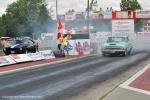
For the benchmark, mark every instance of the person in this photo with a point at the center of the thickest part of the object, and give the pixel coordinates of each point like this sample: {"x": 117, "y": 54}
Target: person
{"x": 65, "y": 43}
{"x": 60, "y": 40}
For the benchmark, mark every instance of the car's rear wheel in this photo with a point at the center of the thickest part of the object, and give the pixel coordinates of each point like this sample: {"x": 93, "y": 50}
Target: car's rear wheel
{"x": 25, "y": 51}
{"x": 129, "y": 52}
{"x": 34, "y": 50}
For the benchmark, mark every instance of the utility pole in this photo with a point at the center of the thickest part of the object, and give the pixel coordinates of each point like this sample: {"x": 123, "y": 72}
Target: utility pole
{"x": 88, "y": 16}
{"x": 56, "y": 10}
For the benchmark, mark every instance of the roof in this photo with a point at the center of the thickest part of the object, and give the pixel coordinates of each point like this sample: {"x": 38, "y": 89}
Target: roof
{"x": 5, "y": 37}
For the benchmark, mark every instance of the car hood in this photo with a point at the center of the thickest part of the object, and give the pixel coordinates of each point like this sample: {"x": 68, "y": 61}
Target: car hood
{"x": 16, "y": 46}
{"x": 122, "y": 44}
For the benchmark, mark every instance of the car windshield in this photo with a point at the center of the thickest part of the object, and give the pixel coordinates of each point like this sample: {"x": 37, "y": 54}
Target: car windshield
{"x": 13, "y": 42}
{"x": 117, "y": 39}
{"x": 18, "y": 41}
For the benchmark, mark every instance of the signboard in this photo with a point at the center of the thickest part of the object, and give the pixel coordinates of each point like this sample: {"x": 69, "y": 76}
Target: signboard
{"x": 147, "y": 27}
{"x": 72, "y": 43}
{"x": 20, "y": 58}
{"x": 82, "y": 46}
{"x": 95, "y": 15}
{"x": 123, "y": 15}
{"x": 48, "y": 54}
{"x": 49, "y": 36}
{"x": 61, "y": 17}
{"x": 143, "y": 34}
{"x": 122, "y": 27}
{"x": 80, "y": 16}
{"x": 69, "y": 17}
{"x": 143, "y": 13}
{"x": 107, "y": 15}
{"x": 6, "y": 60}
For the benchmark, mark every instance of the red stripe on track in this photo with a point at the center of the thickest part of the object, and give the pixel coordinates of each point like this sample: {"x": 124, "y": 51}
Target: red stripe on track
{"x": 142, "y": 82}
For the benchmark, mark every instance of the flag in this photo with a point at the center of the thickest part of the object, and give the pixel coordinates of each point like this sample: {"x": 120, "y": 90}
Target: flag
{"x": 59, "y": 25}
{"x": 58, "y": 35}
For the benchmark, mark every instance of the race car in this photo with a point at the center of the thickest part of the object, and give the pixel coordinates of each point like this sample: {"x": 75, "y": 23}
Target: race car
{"x": 117, "y": 45}
{"x": 19, "y": 46}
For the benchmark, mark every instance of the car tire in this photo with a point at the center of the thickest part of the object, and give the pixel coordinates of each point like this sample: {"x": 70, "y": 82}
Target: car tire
{"x": 129, "y": 52}
{"x": 25, "y": 51}
{"x": 125, "y": 53}
{"x": 104, "y": 54}
{"x": 34, "y": 50}
{"x": 6, "y": 53}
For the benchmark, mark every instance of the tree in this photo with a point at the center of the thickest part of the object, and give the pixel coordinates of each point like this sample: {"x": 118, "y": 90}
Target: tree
{"x": 25, "y": 17}
{"x": 2, "y": 27}
{"x": 129, "y": 5}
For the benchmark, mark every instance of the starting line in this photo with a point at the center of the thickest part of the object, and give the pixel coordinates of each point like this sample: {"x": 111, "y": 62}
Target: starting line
{"x": 138, "y": 82}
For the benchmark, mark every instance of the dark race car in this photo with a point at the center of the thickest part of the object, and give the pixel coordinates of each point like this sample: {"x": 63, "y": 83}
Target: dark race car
{"x": 19, "y": 46}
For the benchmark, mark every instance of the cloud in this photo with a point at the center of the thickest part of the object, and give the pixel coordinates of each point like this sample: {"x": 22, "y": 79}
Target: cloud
{"x": 78, "y": 5}
{"x": 4, "y": 4}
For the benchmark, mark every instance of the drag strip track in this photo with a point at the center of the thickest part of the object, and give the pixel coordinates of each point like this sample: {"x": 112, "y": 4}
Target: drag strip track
{"x": 55, "y": 82}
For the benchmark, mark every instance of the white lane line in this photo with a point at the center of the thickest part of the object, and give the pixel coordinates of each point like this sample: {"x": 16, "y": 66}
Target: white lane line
{"x": 38, "y": 66}
{"x": 126, "y": 84}
{"x": 136, "y": 90}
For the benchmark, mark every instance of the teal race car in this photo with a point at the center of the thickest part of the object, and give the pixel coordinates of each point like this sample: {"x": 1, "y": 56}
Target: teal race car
{"x": 117, "y": 45}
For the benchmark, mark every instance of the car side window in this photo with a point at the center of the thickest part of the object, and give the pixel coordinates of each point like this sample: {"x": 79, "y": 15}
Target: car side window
{"x": 28, "y": 42}
{"x": 127, "y": 39}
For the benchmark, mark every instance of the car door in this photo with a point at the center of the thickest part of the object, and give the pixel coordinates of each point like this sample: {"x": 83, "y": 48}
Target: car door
{"x": 30, "y": 45}
{"x": 129, "y": 46}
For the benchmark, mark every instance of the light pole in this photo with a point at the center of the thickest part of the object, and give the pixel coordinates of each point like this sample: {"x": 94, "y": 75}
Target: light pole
{"x": 88, "y": 15}
{"x": 56, "y": 10}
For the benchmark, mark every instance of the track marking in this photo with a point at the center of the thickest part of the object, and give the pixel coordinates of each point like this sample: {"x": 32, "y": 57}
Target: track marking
{"x": 126, "y": 84}
{"x": 38, "y": 66}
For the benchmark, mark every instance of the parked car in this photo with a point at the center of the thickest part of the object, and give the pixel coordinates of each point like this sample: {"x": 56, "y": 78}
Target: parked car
{"x": 19, "y": 46}
{"x": 117, "y": 45}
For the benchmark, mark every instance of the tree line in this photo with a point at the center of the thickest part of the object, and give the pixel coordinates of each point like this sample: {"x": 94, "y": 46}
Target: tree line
{"x": 25, "y": 18}
{"x": 31, "y": 17}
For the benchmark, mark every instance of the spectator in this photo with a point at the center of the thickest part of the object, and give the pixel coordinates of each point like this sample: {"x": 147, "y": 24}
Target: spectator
{"x": 65, "y": 43}
{"x": 107, "y": 10}
{"x": 60, "y": 41}
{"x": 111, "y": 9}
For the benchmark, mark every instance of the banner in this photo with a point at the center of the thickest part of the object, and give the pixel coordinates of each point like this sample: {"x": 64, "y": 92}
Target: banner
{"x": 82, "y": 46}
{"x": 143, "y": 13}
{"x": 48, "y": 54}
{"x": 72, "y": 52}
{"x": 18, "y": 58}
{"x": 123, "y": 27}
{"x": 143, "y": 34}
{"x": 35, "y": 56}
{"x": 107, "y": 15}
{"x": 6, "y": 60}
{"x": 70, "y": 16}
{"x": 123, "y": 15}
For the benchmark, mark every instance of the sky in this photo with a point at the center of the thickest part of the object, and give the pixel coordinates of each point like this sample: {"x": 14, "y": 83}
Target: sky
{"x": 78, "y": 5}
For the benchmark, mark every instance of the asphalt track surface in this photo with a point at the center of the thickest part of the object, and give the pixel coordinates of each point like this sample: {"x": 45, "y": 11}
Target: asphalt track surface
{"x": 60, "y": 81}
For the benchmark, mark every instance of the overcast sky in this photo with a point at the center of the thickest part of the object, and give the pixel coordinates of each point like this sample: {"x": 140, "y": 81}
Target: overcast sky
{"x": 78, "y": 5}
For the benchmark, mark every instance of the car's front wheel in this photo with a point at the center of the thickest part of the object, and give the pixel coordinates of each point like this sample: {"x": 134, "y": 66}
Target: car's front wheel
{"x": 125, "y": 53}
{"x": 104, "y": 54}
{"x": 6, "y": 53}
{"x": 25, "y": 51}
{"x": 129, "y": 52}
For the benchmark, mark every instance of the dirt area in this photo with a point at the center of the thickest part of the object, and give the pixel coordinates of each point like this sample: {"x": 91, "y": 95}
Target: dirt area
{"x": 100, "y": 91}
